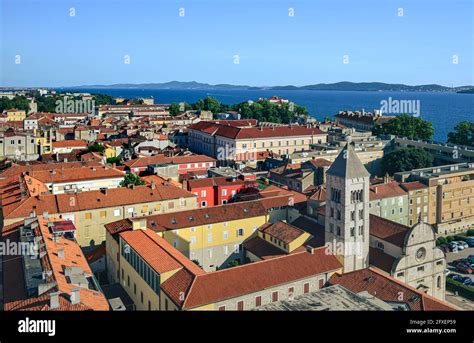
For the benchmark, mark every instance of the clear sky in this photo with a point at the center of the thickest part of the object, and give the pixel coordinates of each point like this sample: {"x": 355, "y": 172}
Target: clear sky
{"x": 273, "y": 47}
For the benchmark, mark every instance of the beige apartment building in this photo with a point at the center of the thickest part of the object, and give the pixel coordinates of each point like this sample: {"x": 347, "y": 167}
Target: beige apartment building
{"x": 448, "y": 196}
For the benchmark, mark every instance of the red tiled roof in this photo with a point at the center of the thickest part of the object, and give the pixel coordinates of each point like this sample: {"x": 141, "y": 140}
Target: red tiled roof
{"x": 282, "y": 231}
{"x": 388, "y": 230}
{"x": 381, "y": 260}
{"x": 257, "y": 276}
{"x": 69, "y": 144}
{"x": 255, "y": 132}
{"x": 389, "y": 289}
{"x": 386, "y": 190}
{"x": 413, "y": 186}
{"x": 146, "y": 161}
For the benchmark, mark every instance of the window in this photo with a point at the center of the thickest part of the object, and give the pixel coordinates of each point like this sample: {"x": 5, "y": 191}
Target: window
{"x": 203, "y": 193}
{"x": 193, "y": 240}
{"x": 88, "y": 215}
{"x": 258, "y": 301}
{"x": 203, "y": 203}
{"x": 210, "y": 253}
{"x": 103, "y": 214}
{"x": 291, "y": 291}
{"x": 130, "y": 210}
{"x": 275, "y": 296}
{"x": 240, "y": 232}
{"x": 420, "y": 269}
{"x": 438, "y": 281}
{"x": 171, "y": 205}
{"x": 236, "y": 248}
{"x": 209, "y": 238}
{"x": 116, "y": 213}
{"x": 240, "y": 306}
{"x": 225, "y": 235}
{"x": 141, "y": 297}
{"x": 226, "y": 250}
{"x": 321, "y": 283}
{"x": 224, "y": 192}
{"x": 306, "y": 288}
{"x": 222, "y": 308}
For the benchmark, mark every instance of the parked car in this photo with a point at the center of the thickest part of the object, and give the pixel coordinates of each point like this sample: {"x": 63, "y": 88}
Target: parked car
{"x": 459, "y": 245}
{"x": 465, "y": 280}
{"x": 463, "y": 244}
{"x": 455, "y": 277}
{"x": 447, "y": 272}
{"x": 468, "y": 240}
{"x": 464, "y": 268}
{"x": 453, "y": 246}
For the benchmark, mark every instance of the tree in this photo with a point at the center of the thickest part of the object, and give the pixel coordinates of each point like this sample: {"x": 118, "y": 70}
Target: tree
{"x": 19, "y": 102}
{"x": 210, "y": 104}
{"x": 131, "y": 179}
{"x": 112, "y": 160}
{"x": 406, "y": 126}
{"x": 103, "y": 99}
{"x": 440, "y": 240}
{"x": 463, "y": 134}
{"x": 406, "y": 159}
{"x": 96, "y": 148}
{"x": 177, "y": 108}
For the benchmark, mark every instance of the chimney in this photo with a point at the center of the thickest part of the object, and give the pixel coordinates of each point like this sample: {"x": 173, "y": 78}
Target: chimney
{"x": 375, "y": 189}
{"x": 54, "y": 299}
{"x": 61, "y": 254}
{"x": 75, "y": 296}
{"x": 153, "y": 185}
{"x": 46, "y": 215}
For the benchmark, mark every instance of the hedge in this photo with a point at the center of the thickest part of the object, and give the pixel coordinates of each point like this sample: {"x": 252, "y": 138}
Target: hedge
{"x": 462, "y": 289}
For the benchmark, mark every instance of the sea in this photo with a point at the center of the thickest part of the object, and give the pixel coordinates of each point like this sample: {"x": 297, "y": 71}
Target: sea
{"x": 444, "y": 110}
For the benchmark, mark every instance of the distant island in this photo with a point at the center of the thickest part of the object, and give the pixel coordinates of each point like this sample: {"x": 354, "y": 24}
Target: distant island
{"x": 338, "y": 86}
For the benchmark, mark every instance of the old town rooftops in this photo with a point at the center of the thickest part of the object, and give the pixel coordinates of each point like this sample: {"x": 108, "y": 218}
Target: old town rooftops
{"x": 20, "y": 206}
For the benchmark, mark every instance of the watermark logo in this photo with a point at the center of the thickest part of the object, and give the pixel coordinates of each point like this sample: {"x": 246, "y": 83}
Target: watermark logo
{"x": 67, "y": 105}
{"x": 344, "y": 249}
{"x": 394, "y": 106}
{"x": 13, "y": 248}
{"x": 37, "y": 326}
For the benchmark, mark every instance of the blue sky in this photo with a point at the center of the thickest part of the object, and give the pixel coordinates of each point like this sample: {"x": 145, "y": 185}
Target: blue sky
{"x": 273, "y": 47}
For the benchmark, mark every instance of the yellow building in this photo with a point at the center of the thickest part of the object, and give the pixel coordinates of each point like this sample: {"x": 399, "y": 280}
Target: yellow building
{"x": 211, "y": 236}
{"x": 44, "y": 141}
{"x": 14, "y": 114}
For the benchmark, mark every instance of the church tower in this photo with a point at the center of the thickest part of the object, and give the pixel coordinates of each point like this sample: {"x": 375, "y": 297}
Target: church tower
{"x": 347, "y": 210}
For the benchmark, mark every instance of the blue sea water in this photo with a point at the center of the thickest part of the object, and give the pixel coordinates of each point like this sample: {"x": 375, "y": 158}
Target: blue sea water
{"x": 444, "y": 110}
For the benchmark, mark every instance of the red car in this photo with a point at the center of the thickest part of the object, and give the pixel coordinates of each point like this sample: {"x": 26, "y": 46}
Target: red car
{"x": 463, "y": 268}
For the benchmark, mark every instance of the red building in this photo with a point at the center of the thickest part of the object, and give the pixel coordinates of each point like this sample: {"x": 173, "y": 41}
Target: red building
{"x": 217, "y": 190}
